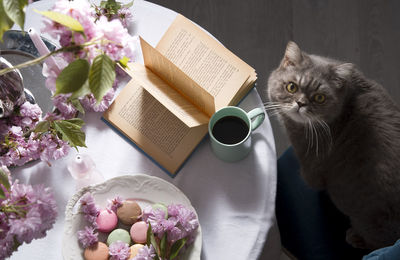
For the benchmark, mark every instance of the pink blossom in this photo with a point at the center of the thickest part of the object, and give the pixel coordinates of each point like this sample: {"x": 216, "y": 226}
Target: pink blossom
{"x": 114, "y": 204}
{"x": 111, "y": 38}
{"x": 156, "y": 217}
{"x": 52, "y": 148}
{"x": 119, "y": 251}
{"x": 20, "y": 192}
{"x": 87, "y": 237}
{"x": 6, "y": 245}
{"x": 186, "y": 218}
{"x": 80, "y": 10}
{"x": 181, "y": 223}
{"x": 45, "y": 200}
{"x": 125, "y": 16}
{"x": 16, "y": 131}
{"x": 89, "y": 102}
{"x": 26, "y": 228}
{"x": 32, "y": 111}
{"x": 26, "y": 214}
{"x": 89, "y": 208}
{"x": 66, "y": 109}
{"x": 121, "y": 43}
{"x": 145, "y": 253}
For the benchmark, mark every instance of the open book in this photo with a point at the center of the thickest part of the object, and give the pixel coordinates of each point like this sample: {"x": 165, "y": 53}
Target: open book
{"x": 166, "y": 106}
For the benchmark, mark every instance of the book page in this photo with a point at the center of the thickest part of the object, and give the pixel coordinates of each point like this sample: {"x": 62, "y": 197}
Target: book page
{"x": 167, "y": 95}
{"x": 175, "y": 78}
{"x": 206, "y": 61}
{"x": 152, "y": 127}
{"x": 240, "y": 94}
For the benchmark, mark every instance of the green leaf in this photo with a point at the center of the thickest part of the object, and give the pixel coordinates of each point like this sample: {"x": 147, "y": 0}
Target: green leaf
{"x": 163, "y": 246}
{"x": 42, "y": 126}
{"x": 124, "y": 61}
{"x": 2, "y": 194}
{"x": 5, "y": 22}
{"x": 128, "y": 5}
{"x": 63, "y": 19}
{"x": 176, "y": 247}
{"x": 148, "y": 235}
{"x": 112, "y": 6}
{"x": 71, "y": 132}
{"x": 15, "y": 11}
{"x": 76, "y": 121}
{"x": 151, "y": 239}
{"x": 101, "y": 76}
{"x": 4, "y": 180}
{"x": 82, "y": 91}
{"x": 72, "y": 77}
{"x": 77, "y": 104}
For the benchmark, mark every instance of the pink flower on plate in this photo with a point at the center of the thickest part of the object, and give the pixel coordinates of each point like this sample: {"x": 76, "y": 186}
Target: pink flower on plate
{"x": 114, "y": 204}
{"x": 89, "y": 208}
{"x": 145, "y": 253}
{"x": 87, "y": 237}
{"x": 119, "y": 251}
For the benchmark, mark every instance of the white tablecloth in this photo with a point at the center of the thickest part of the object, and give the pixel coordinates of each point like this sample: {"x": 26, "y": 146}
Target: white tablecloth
{"x": 235, "y": 201}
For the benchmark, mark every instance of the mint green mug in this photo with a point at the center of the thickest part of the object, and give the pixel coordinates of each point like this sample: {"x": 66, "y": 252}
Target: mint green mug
{"x": 230, "y": 131}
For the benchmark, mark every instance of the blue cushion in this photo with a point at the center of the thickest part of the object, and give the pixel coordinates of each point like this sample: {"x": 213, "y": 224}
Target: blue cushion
{"x": 386, "y": 253}
{"x": 310, "y": 225}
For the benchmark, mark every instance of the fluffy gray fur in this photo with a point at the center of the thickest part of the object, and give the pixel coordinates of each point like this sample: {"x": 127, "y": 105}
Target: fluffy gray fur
{"x": 348, "y": 145}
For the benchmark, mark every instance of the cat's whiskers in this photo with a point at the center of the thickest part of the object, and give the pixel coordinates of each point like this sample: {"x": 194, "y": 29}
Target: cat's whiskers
{"x": 309, "y": 135}
{"x": 326, "y": 130}
{"x": 321, "y": 130}
{"x": 314, "y": 129}
{"x": 275, "y": 108}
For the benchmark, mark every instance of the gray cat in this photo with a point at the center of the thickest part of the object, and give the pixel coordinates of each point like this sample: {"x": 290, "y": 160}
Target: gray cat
{"x": 345, "y": 130}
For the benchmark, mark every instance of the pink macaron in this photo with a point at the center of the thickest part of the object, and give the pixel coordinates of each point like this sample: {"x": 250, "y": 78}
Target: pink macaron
{"x": 106, "y": 221}
{"x": 139, "y": 232}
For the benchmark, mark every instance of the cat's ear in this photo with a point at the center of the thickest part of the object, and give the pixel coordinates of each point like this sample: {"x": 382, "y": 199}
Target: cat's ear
{"x": 293, "y": 55}
{"x": 344, "y": 70}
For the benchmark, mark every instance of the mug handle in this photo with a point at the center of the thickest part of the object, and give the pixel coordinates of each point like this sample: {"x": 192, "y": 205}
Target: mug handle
{"x": 258, "y": 115}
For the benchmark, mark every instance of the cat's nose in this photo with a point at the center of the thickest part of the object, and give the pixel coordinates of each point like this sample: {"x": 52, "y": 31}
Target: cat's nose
{"x": 301, "y": 103}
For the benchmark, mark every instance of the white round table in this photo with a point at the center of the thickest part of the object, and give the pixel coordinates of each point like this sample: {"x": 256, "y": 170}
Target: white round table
{"x": 235, "y": 201}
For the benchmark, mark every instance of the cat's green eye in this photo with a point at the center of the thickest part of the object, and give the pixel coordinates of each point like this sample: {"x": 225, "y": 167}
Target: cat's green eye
{"x": 319, "y": 98}
{"x": 291, "y": 87}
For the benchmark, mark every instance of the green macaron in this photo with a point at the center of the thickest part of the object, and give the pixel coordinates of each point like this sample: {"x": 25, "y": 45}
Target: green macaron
{"x": 161, "y": 207}
{"x": 119, "y": 235}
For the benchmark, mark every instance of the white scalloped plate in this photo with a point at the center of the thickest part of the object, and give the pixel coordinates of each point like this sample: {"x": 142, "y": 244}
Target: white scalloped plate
{"x": 144, "y": 188}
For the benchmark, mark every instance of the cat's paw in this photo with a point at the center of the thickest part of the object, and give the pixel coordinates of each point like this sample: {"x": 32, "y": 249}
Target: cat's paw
{"x": 354, "y": 239}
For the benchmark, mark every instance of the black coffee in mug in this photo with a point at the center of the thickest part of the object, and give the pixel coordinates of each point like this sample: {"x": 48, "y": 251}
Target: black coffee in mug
{"x": 230, "y": 130}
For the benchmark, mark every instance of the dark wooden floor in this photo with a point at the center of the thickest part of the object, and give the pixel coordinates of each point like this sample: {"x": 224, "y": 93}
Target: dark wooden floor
{"x": 365, "y": 32}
